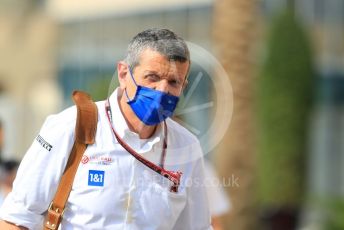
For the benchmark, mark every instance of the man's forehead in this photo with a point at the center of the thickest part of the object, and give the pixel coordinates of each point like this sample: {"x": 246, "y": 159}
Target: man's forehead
{"x": 149, "y": 54}
{"x": 167, "y": 67}
{"x": 151, "y": 60}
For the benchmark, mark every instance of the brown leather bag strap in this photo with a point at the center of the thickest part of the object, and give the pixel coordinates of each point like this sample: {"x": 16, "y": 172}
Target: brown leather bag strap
{"x": 85, "y": 130}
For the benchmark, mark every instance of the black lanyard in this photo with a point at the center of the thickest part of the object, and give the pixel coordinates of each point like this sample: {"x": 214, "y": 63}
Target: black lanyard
{"x": 172, "y": 176}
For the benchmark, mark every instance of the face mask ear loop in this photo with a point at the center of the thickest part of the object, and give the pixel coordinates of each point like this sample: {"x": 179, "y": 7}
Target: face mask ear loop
{"x": 126, "y": 94}
{"x": 131, "y": 74}
{"x": 132, "y": 77}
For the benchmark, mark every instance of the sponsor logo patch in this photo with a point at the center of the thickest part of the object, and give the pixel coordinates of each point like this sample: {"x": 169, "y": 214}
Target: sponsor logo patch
{"x": 44, "y": 143}
{"x": 98, "y": 160}
{"x": 96, "y": 178}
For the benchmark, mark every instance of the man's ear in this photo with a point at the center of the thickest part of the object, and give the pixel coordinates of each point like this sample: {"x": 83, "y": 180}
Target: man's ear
{"x": 122, "y": 69}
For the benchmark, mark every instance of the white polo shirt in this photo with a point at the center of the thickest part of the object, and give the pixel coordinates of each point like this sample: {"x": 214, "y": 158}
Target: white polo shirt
{"x": 111, "y": 190}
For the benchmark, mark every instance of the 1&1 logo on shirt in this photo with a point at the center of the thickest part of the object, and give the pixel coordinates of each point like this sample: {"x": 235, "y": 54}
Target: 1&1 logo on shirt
{"x": 95, "y": 178}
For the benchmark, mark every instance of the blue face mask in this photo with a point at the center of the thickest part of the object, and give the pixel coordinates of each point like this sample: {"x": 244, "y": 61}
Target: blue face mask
{"x": 152, "y": 106}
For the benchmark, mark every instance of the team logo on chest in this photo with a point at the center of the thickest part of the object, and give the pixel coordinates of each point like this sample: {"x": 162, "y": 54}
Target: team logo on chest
{"x": 98, "y": 160}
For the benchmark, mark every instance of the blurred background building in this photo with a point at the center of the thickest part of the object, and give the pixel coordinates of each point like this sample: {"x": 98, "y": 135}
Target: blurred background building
{"x": 28, "y": 80}
{"x": 48, "y": 48}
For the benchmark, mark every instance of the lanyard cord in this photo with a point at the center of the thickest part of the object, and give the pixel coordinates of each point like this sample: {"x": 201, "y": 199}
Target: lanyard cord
{"x": 170, "y": 175}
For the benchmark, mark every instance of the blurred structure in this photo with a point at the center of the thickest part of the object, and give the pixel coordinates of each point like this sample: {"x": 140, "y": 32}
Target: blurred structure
{"x": 27, "y": 72}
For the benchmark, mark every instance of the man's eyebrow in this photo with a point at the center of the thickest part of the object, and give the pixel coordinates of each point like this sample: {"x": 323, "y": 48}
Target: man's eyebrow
{"x": 151, "y": 72}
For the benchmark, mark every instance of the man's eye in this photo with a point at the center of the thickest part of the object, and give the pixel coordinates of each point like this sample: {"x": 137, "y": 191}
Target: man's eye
{"x": 175, "y": 82}
{"x": 153, "y": 77}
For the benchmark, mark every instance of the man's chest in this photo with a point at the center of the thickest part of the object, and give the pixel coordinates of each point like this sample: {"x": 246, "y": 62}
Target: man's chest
{"x": 112, "y": 187}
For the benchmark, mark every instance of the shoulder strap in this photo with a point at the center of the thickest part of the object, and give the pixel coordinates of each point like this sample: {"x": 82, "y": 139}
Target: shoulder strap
{"x": 85, "y": 130}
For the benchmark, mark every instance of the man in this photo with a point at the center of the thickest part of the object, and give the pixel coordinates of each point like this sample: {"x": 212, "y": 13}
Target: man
{"x": 112, "y": 189}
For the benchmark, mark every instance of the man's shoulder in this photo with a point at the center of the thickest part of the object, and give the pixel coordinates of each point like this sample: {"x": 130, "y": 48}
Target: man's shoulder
{"x": 60, "y": 123}
{"x": 100, "y": 105}
{"x": 67, "y": 117}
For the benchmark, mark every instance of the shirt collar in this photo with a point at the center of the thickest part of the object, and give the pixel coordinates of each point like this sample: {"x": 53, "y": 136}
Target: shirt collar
{"x": 121, "y": 127}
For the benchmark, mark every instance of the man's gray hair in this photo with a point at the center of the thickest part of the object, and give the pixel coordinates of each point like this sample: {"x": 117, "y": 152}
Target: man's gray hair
{"x": 163, "y": 41}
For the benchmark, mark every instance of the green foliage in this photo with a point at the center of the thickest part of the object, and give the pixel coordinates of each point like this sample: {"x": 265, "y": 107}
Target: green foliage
{"x": 335, "y": 211}
{"x": 283, "y": 102}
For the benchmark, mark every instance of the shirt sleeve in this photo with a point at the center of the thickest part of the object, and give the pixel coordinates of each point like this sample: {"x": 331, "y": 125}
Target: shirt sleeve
{"x": 40, "y": 171}
{"x": 195, "y": 214}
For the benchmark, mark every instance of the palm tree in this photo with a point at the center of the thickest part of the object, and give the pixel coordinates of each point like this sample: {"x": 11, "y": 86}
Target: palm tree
{"x": 234, "y": 27}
